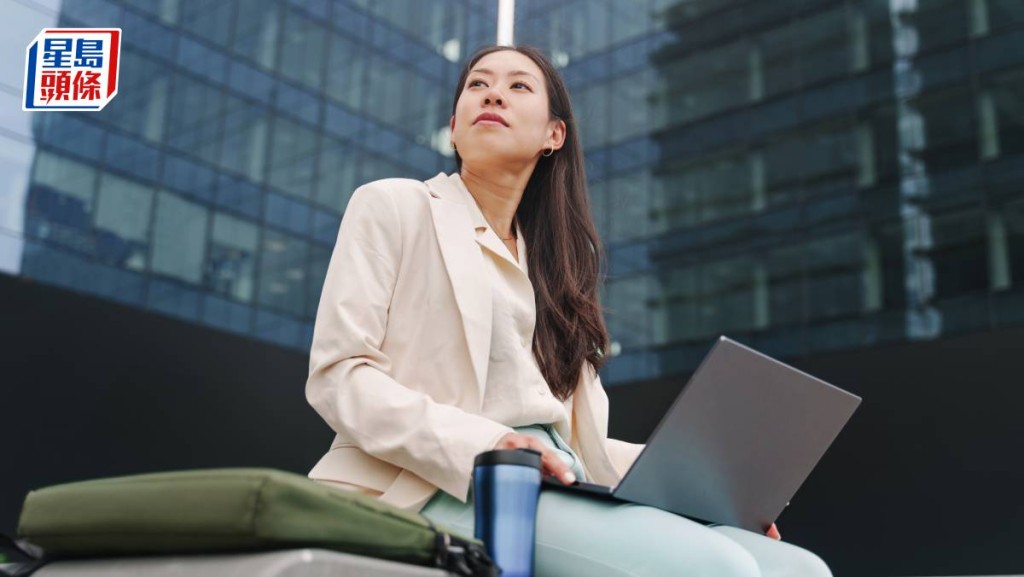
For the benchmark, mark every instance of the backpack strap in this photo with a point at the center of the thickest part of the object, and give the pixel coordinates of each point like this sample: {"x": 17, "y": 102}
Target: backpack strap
{"x": 460, "y": 556}
{"x": 18, "y": 558}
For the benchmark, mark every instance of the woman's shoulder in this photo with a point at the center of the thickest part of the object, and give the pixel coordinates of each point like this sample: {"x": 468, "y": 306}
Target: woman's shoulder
{"x": 390, "y": 195}
{"x": 396, "y": 188}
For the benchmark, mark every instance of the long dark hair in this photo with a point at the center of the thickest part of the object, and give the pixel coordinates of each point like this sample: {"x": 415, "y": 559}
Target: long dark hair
{"x": 563, "y": 248}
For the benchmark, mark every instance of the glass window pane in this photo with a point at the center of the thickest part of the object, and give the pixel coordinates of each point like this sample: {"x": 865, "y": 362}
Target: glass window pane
{"x": 711, "y": 81}
{"x": 142, "y": 34}
{"x": 373, "y": 167}
{"x": 239, "y": 195}
{"x": 628, "y": 311}
{"x": 784, "y": 267}
{"x": 122, "y": 221}
{"x": 960, "y": 254}
{"x": 92, "y": 12}
{"x": 824, "y": 46}
{"x": 123, "y": 208}
{"x": 629, "y": 198}
{"x": 386, "y": 83}
{"x": 132, "y": 156}
{"x": 592, "y": 112}
{"x": 288, "y": 213}
{"x": 834, "y": 277}
{"x": 59, "y": 207}
{"x": 339, "y": 166}
{"x": 302, "y": 50}
{"x": 1008, "y": 96}
{"x": 421, "y": 98}
{"x": 188, "y": 177}
{"x": 245, "y": 138}
{"x": 292, "y": 158}
{"x": 1005, "y": 13}
{"x": 65, "y": 176}
{"x": 179, "y": 238}
{"x": 297, "y": 102}
{"x": 352, "y": 20}
{"x": 67, "y": 133}
{"x": 167, "y": 10}
{"x": 141, "y": 103}
{"x": 256, "y": 30}
{"x": 939, "y": 23}
{"x": 778, "y": 62}
{"x": 202, "y": 59}
{"x": 325, "y": 227}
{"x": 950, "y": 139}
{"x": 413, "y": 17}
{"x": 283, "y": 273}
{"x": 250, "y": 81}
{"x": 231, "y": 262}
{"x": 629, "y": 18}
{"x": 210, "y": 19}
{"x": 708, "y": 191}
{"x": 346, "y": 71}
{"x": 630, "y": 99}
{"x": 195, "y": 118}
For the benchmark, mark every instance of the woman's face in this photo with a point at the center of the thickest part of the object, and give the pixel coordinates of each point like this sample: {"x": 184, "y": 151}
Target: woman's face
{"x": 502, "y": 113}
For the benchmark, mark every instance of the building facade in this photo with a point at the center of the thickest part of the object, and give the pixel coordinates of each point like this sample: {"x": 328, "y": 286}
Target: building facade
{"x": 802, "y": 175}
{"x": 212, "y": 187}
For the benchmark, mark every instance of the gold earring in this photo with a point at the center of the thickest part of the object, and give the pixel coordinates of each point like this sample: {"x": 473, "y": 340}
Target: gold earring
{"x": 453, "y": 145}
{"x": 549, "y": 152}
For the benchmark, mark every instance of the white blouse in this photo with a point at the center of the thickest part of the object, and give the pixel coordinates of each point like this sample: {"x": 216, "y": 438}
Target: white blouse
{"x": 516, "y": 392}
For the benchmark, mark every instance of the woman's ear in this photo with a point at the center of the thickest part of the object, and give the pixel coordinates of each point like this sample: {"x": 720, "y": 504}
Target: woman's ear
{"x": 556, "y": 138}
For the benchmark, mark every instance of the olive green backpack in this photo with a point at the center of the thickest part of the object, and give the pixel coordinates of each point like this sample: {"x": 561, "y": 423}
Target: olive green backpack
{"x": 230, "y": 510}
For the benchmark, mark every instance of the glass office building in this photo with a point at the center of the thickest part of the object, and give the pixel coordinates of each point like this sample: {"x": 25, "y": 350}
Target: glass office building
{"x": 803, "y": 175}
{"x": 212, "y": 187}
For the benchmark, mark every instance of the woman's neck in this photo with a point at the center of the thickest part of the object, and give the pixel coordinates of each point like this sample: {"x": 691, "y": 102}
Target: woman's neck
{"x": 498, "y": 194}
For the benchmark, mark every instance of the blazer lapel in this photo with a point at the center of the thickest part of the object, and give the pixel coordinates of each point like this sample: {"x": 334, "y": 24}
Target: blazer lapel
{"x": 465, "y": 264}
{"x": 494, "y": 244}
{"x": 488, "y": 238}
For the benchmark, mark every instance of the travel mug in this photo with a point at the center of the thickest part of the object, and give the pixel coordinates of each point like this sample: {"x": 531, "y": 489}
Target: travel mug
{"x": 506, "y": 489}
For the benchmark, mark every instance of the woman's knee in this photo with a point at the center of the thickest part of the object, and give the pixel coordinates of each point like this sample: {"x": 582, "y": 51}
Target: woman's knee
{"x": 777, "y": 558}
{"x": 719, "y": 556}
{"x": 803, "y": 563}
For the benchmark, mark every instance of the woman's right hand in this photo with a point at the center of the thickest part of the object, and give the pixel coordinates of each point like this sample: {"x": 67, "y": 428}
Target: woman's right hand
{"x": 550, "y": 462}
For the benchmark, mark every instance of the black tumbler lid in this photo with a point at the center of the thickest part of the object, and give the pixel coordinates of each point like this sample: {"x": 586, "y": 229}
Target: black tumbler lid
{"x": 524, "y": 457}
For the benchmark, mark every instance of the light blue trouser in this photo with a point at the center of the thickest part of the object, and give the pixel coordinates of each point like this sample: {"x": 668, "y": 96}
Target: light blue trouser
{"x": 579, "y": 536}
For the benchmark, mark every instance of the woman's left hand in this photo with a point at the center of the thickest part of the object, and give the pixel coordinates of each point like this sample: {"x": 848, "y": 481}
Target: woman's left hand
{"x": 773, "y": 532}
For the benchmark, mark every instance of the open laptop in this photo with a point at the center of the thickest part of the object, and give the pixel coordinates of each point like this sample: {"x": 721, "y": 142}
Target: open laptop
{"x": 736, "y": 444}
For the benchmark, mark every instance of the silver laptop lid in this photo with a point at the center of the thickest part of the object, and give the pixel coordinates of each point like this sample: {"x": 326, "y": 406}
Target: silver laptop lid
{"x": 739, "y": 440}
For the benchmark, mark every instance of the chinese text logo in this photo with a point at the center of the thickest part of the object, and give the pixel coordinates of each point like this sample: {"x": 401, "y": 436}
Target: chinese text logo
{"x": 72, "y": 69}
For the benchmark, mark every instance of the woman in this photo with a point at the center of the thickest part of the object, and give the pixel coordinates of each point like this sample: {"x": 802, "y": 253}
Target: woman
{"x": 461, "y": 315}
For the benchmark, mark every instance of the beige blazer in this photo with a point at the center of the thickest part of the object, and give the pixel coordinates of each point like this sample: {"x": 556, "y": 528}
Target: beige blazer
{"x": 400, "y": 349}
